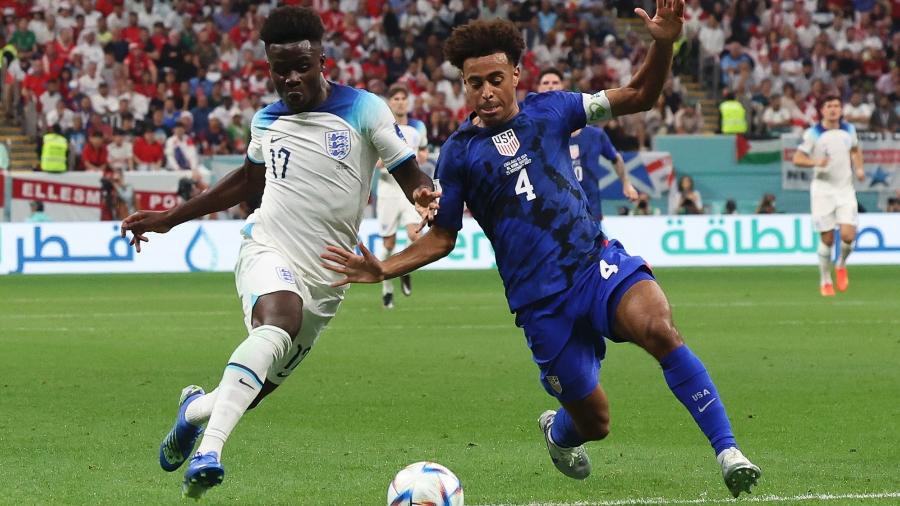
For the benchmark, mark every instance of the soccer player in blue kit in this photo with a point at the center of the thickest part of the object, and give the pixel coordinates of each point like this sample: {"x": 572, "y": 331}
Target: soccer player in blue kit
{"x": 586, "y": 146}
{"x": 567, "y": 284}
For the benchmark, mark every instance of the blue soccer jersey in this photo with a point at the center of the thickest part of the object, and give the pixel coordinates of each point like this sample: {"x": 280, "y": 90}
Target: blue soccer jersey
{"x": 586, "y": 148}
{"x": 517, "y": 181}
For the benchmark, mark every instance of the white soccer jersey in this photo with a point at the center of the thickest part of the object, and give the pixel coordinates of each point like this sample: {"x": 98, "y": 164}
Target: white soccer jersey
{"x": 319, "y": 168}
{"x": 416, "y": 137}
{"x": 835, "y": 144}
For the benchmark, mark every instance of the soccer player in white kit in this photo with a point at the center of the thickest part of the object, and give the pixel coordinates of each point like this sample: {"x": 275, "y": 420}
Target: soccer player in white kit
{"x": 392, "y": 207}
{"x": 831, "y": 149}
{"x": 312, "y": 155}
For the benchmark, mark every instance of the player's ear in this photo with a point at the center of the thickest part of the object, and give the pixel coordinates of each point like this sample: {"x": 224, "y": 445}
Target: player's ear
{"x": 322, "y": 61}
{"x": 515, "y": 76}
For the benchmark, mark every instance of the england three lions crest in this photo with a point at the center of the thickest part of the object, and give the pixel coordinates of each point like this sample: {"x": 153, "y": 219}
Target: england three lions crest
{"x": 337, "y": 143}
{"x": 507, "y": 143}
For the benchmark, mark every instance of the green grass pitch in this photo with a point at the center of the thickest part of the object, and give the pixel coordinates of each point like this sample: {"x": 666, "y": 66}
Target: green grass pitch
{"x": 92, "y": 367}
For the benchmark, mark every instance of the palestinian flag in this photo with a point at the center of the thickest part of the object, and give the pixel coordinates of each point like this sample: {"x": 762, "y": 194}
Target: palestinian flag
{"x": 757, "y": 150}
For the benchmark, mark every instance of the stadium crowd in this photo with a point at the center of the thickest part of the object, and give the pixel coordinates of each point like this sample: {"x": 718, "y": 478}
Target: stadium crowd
{"x": 127, "y": 73}
{"x": 153, "y": 85}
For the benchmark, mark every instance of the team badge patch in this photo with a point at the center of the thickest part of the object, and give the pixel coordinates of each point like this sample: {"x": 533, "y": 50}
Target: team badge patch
{"x": 554, "y": 384}
{"x": 507, "y": 143}
{"x": 285, "y": 274}
{"x": 574, "y": 151}
{"x": 337, "y": 143}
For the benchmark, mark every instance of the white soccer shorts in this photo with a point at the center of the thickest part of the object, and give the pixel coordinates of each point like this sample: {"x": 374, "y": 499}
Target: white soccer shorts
{"x": 394, "y": 213}
{"x": 261, "y": 270}
{"x": 832, "y": 209}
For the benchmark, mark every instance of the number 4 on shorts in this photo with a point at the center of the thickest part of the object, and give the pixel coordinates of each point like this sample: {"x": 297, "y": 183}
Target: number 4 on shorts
{"x": 607, "y": 270}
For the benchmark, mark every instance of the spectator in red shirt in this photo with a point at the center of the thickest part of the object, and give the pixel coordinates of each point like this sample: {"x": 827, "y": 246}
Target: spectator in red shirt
{"x": 36, "y": 80}
{"x": 94, "y": 157}
{"x": 352, "y": 33}
{"x": 132, "y": 32}
{"x": 148, "y": 151}
{"x": 333, "y": 18}
{"x": 52, "y": 62}
{"x": 137, "y": 62}
{"x": 374, "y": 67}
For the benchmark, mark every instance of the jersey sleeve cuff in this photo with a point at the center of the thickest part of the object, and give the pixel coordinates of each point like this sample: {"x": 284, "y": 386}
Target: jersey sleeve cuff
{"x": 391, "y": 167}
{"x": 254, "y": 160}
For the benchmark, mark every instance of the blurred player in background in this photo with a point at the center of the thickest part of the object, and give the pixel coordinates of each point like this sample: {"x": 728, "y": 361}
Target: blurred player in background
{"x": 314, "y": 153}
{"x": 392, "y": 207}
{"x": 586, "y": 146}
{"x": 568, "y": 286}
{"x": 831, "y": 149}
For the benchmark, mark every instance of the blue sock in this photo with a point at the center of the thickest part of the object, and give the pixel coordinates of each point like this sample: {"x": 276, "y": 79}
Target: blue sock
{"x": 691, "y": 384}
{"x": 563, "y": 431}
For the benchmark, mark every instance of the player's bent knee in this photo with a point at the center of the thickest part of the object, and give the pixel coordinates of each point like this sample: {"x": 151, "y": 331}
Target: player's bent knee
{"x": 661, "y": 337}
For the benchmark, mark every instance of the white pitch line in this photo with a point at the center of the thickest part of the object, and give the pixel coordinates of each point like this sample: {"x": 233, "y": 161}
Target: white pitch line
{"x": 654, "y": 501}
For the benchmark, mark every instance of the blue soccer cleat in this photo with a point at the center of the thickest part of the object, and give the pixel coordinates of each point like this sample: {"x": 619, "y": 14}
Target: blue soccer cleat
{"x": 179, "y": 442}
{"x": 203, "y": 472}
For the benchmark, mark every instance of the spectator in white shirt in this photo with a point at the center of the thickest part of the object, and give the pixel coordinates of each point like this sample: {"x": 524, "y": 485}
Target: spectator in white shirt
{"x": 858, "y": 112}
{"x": 712, "y": 38}
{"x": 50, "y": 97}
{"x": 120, "y": 152}
{"x": 118, "y": 19}
{"x": 225, "y": 111}
{"x": 103, "y": 103}
{"x": 776, "y": 118}
{"x": 89, "y": 49}
{"x": 44, "y": 29}
{"x": 180, "y": 150}
{"x": 88, "y": 83}
{"x": 59, "y": 115}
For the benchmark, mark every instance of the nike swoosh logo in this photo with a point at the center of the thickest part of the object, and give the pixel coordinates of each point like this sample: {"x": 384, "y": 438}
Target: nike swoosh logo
{"x": 702, "y": 409}
{"x": 251, "y": 387}
{"x": 276, "y": 139}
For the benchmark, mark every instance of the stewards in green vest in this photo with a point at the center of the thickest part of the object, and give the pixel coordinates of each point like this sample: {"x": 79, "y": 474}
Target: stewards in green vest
{"x": 54, "y": 151}
{"x": 734, "y": 116}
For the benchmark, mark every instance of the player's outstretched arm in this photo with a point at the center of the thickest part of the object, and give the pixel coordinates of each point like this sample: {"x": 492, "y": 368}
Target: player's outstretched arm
{"x": 366, "y": 268}
{"x": 642, "y": 92}
{"x": 231, "y": 190}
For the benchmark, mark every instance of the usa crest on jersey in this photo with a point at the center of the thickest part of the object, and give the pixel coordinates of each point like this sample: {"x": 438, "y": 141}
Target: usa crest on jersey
{"x": 337, "y": 143}
{"x": 506, "y": 142}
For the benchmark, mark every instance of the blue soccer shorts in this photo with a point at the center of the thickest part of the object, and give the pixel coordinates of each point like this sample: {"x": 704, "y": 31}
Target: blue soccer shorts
{"x": 566, "y": 331}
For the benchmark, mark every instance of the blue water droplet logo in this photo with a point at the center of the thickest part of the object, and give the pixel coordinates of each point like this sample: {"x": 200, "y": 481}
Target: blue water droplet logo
{"x": 201, "y": 254}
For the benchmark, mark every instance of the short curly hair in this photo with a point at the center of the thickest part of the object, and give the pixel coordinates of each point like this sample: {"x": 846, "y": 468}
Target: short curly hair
{"x": 292, "y": 24}
{"x": 484, "y": 38}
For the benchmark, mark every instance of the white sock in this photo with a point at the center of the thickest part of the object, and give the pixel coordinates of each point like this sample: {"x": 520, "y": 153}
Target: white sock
{"x": 387, "y": 286}
{"x": 241, "y": 382}
{"x": 846, "y": 248}
{"x": 199, "y": 410}
{"x": 824, "y": 263}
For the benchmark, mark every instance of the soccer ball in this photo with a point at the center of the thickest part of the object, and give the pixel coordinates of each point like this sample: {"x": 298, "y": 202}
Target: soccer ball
{"x": 425, "y": 484}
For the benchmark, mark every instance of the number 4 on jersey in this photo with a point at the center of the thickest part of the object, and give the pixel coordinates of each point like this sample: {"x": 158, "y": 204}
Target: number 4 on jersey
{"x": 523, "y": 185}
{"x": 607, "y": 270}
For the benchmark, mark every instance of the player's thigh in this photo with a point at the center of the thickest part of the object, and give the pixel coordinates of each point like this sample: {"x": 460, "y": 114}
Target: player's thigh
{"x": 268, "y": 288}
{"x": 823, "y": 207}
{"x": 643, "y": 316}
{"x": 389, "y": 214}
{"x": 847, "y": 216}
